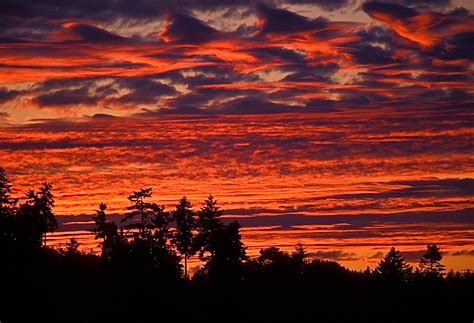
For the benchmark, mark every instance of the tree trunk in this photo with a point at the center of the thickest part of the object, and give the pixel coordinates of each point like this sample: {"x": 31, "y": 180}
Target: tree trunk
{"x": 186, "y": 266}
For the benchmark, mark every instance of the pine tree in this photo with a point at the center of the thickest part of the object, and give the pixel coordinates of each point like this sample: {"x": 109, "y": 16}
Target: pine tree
{"x": 394, "y": 267}
{"x": 429, "y": 263}
{"x": 72, "y": 247}
{"x": 166, "y": 261}
{"x": 184, "y": 237}
{"x": 228, "y": 252}
{"x": 107, "y": 231}
{"x": 299, "y": 255}
{"x": 7, "y": 209}
{"x": 142, "y": 210}
{"x": 208, "y": 224}
{"x": 36, "y": 217}
{"x": 6, "y": 201}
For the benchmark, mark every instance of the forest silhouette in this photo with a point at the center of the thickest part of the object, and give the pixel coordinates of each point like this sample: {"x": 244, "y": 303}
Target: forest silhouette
{"x": 142, "y": 274}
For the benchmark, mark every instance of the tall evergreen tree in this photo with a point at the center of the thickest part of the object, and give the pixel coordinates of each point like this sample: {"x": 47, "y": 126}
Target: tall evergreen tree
{"x": 208, "y": 224}
{"x": 430, "y": 263}
{"x": 394, "y": 267}
{"x": 7, "y": 209}
{"x": 184, "y": 236}
{"x": 227, "y": 252}
{"x": 140, "y": 209}
{"x": 161, "y": 224}
{"x": 299, "y": 256}
{"x": 107, "y": 231}
{"x": 165, "y": 258}
{"x": 6, "y": 201}
{"x": 36, "y": 217}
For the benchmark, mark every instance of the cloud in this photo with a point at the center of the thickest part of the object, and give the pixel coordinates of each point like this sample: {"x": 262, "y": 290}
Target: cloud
{"x": 4, "y": 117}
{"x": 377, "y": 255}
{"x": 187, "y": 64}
{"x": 7, "y": 95}
{"x": 273, "y": 20}
{"x": 426, "y": 28}
{"x": 143, "y": 90}
{"x": 186, "y": 29}
{"x": 335, "y": 255}
{"x": 463, "y": 253}
{"x": 90, "y": 33}
{"x": 66, "y": 97}
{"x": 254, "y": 106}
{"x": 329, "y": 5}
{"x": 419, "y": 4}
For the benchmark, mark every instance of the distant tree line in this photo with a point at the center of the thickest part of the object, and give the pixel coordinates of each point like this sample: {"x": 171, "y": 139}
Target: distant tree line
{"x": 150, "y": 245}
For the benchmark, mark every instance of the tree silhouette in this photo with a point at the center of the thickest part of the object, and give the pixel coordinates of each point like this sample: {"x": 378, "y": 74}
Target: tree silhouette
{"x": 184, "y": 237}
{"x": 160, "y": 220}
{"x": 35, "y": 216}
{"x": 72, "y": 248}
{"x": 394, "y": 267}
{"x": 430, "y": 264}
{"x": 299, "y": 255}
{"x": 7, "y": 209}
{"x": 208, "y": 225}
{"x": 141, "y": 209}
{"x": 164, "y": 256}
{"x": 227, "y": 252}
{"x": 107, "y": 231}
{"x": 273, "y": 255}
{"x": 6, "y": 201}
{"x": 102, "y": 227}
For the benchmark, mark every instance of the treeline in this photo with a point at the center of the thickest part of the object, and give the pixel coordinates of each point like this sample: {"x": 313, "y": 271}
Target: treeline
{"x": 143, "y": 264}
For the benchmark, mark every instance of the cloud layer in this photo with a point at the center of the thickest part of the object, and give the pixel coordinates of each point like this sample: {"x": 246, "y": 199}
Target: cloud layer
{"x": 232, "y": 57}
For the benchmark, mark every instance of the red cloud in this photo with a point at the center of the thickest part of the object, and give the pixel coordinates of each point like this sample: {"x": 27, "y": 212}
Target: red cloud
{"x": 425, "y": 28}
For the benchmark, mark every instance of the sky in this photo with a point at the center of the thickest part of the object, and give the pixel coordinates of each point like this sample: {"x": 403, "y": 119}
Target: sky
{"x": 346, "y": 125}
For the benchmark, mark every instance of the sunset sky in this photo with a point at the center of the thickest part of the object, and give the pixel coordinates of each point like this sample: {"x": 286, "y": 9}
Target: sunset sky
{"x": 346, "y": 125}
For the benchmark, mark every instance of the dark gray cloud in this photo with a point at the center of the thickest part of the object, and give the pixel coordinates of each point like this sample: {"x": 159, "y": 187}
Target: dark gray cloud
{"x": 276, "y": 20}
{"x": 90, "y": 33}
{"x": 67, "y": 97}
{"x": 390, "y": 8}
{"x": 419, "y": 4}
{"x": 463, "y": 253}
{"x": 7, "y": 95}
{"x": 187, "y": 29}
{"x": 334, "y": 255}
{"x": 329, "y": 5}
{"x": 142, "y": 90}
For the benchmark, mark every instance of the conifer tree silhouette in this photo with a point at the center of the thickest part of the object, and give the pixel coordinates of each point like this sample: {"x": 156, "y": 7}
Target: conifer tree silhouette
{"x": 430, "y": 263}
{"x": 7, "y": 210}
{"x": 299, "y": 256}
{"x": 140, "y": 209}
{"x": 184, "y": 236}
{"x": 107, "y": 231}
{"x": 6, "y": 201}
{"x": 208, "y": 225}
{"x": 393, "y": 267}
{"x": 72, "y": 248}
{"x": 36, "y": 217}
{"x": 165, "y": 258}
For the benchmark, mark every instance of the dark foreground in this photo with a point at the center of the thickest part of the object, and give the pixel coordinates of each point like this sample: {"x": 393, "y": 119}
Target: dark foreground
{"x": 80, "y": 289}
{"x": 139, "y": 275}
